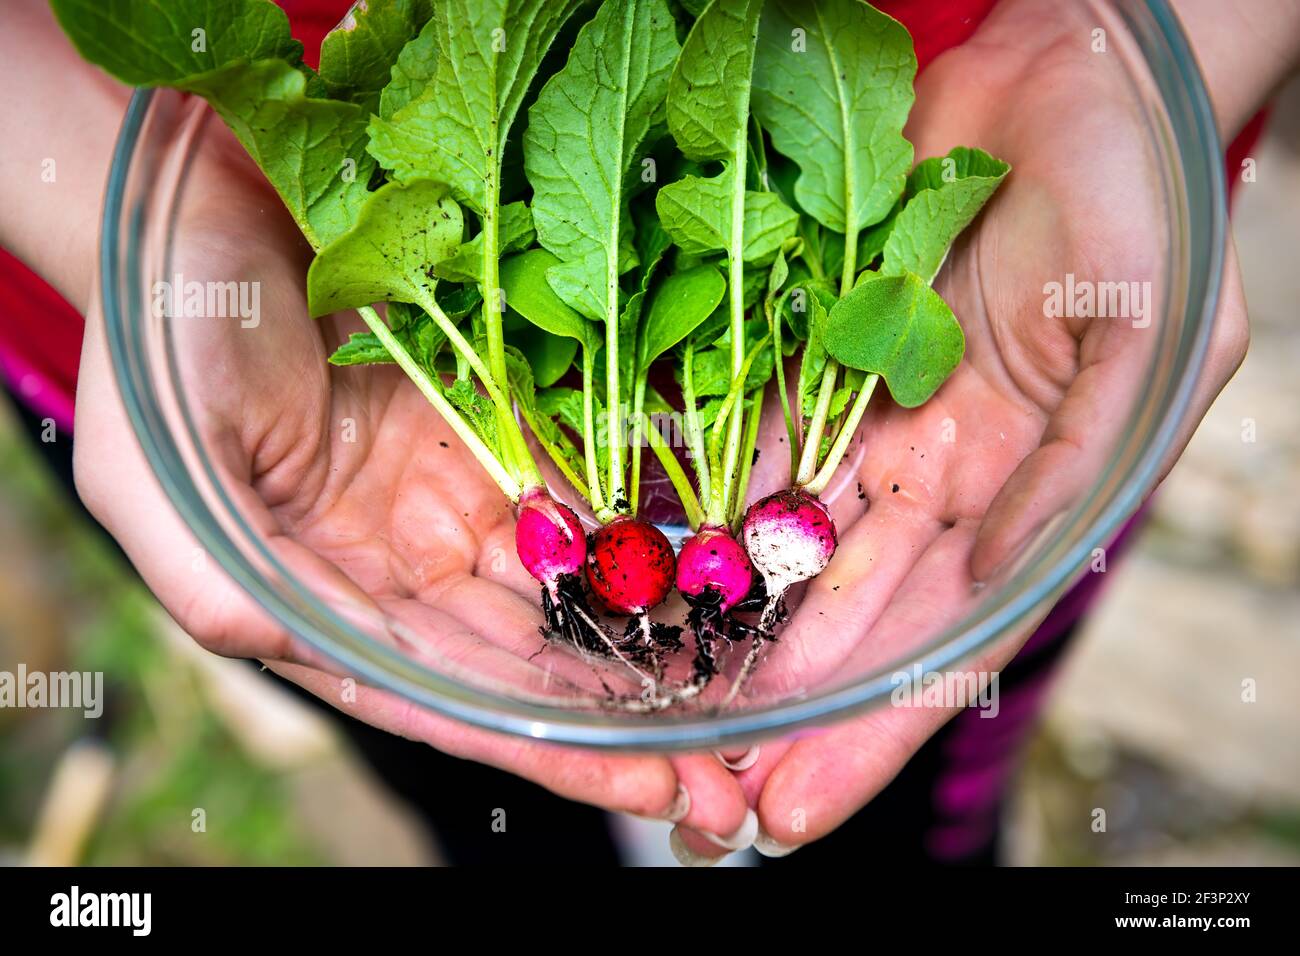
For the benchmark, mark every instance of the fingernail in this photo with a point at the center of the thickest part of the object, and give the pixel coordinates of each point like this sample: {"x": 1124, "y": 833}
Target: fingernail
{"x": 741, "y": 839}
{"x": 743, "y": 762}
{"x": 771, "y": 848}
{"x": 676, "y": 811}
{"x": 685, "y": 855}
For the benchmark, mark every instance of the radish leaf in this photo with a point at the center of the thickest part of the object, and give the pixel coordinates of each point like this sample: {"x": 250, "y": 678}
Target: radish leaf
{"x": 412, "y": 73}
{"x": 582, "y": 140}
{"x": 250, "y": 70}
{"x": 358, "y": 55}
{"x": 400, "y": 234}
{"x": 678, "y": 305}
{"x": 523, "y": 277}
{"x": 456, "y": 130}
{"x": 899, "y": 328}
{"x": 944, "y": 195}
{"x": 833, "y": 86}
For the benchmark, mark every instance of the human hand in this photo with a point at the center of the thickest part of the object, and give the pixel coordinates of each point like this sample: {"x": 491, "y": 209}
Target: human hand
{"x": 956, "y": 488}
{"x": 362, "y": 492}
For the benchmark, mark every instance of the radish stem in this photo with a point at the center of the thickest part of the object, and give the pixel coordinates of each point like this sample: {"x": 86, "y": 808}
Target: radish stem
{"x": 818, "y": 484}
{"x": 512, "y": 439}
{"x": 694, "y": 433}
{"x": 634, "y": 445}
{"x": 812, "y": 439}
{"x": 433, "y": 392}
{"x": 747, "y": 456}
{"x": 681, "y": 484}
{"x": 596, "y": 498}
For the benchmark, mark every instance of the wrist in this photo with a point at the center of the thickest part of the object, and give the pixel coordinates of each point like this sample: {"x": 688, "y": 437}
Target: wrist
{"x": 61, "y": 118}
{"x": 1245, "y": 51}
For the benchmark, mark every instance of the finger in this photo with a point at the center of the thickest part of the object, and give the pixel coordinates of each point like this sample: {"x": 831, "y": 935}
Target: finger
{"x": 1086, "y": 427}
{"x": 717, "y": 804}
{"x": 823, "y": 780}
{"x": 643, "y": 785}
{"x": 874, "y": 557}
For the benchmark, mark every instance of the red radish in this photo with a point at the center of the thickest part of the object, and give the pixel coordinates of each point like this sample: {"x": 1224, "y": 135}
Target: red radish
{"x": 630, "y": 565}
{"x": 714, "y": 561}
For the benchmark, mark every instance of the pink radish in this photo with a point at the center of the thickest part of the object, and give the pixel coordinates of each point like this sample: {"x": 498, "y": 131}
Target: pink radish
{"x": 552, "y": 546}
{"x": 714, "y": 561}
{"x": 549, "y": 538}
{"x": 790, "y": 537}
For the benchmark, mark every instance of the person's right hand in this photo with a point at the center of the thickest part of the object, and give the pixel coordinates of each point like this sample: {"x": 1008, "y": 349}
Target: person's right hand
{"x": 363, "y": 492}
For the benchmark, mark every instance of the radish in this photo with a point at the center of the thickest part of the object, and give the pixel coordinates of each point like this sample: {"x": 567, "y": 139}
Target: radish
{"x": 630, "y": 565}
{"x": 713, "y": 561}
{"x": 790, "y": 538}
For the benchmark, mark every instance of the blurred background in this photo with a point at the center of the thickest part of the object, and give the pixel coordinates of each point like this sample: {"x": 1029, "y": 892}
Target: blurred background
{"x": 1146, "y": 718}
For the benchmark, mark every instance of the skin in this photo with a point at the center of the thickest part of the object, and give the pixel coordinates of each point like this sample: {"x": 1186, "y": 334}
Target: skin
{"x": 393, "y": 521}
{"x": 1037, "y": 403}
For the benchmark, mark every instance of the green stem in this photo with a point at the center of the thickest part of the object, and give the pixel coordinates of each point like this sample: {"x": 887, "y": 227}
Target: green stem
{"x": 778, "y": 358}
{"x": 634, "y": 444}
{"x": 597, "y": 499}
{"x": 555, "y": 453}
{"x": 433, "y": 392}
{"x": 812, "y": 439}
{"x": 512, "y": 436}
{"x": 841, "y": 445}
{"x": 736, "y": 294}
{"x": 694, "y": 433}
{"x": 747, "y": 456}
{"x": 720, "y": 500}
{"x": 617, "y": 496}
{"x": 681, "y": 484}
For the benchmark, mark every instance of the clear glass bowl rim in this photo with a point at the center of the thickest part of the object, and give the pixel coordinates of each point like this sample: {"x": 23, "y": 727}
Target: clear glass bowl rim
{"x": 1198, "y": 149}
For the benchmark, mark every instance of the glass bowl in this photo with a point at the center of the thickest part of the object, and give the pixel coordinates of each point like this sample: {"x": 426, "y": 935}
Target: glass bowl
{"x": 155, "y": 359}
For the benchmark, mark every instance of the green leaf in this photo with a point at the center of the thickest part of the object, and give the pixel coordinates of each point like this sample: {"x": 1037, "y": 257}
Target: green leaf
{"x": 361, "y": 348}
{"x": 708, "y": 115}
{"x": 812, "y": 364}
{"x": 514, "y": 234}
{"x": 708, "y": 95}
{"x": 523, "y": 277}
{"x": 476, "y": 409}
{"x": 456, "y": 130}
{"x": 946, "y": 195}
{"x": 899, "y": 328}
{"x": 583, "y": 137}
{"x": 357, "y": 57}
{"x": 678, "y": 305}
{"x": 145, "y": 43}
{"x": 400, "y": 234}
{"x": 412, "y": 73}
{"x": 564, "y": 405}
{"x": 696, "y": 212}
{"x": 249, "y": 68}
{"x": 833, "y": 87}
{"x": 549, "y": 356}
{"x": 311, "y": 150}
